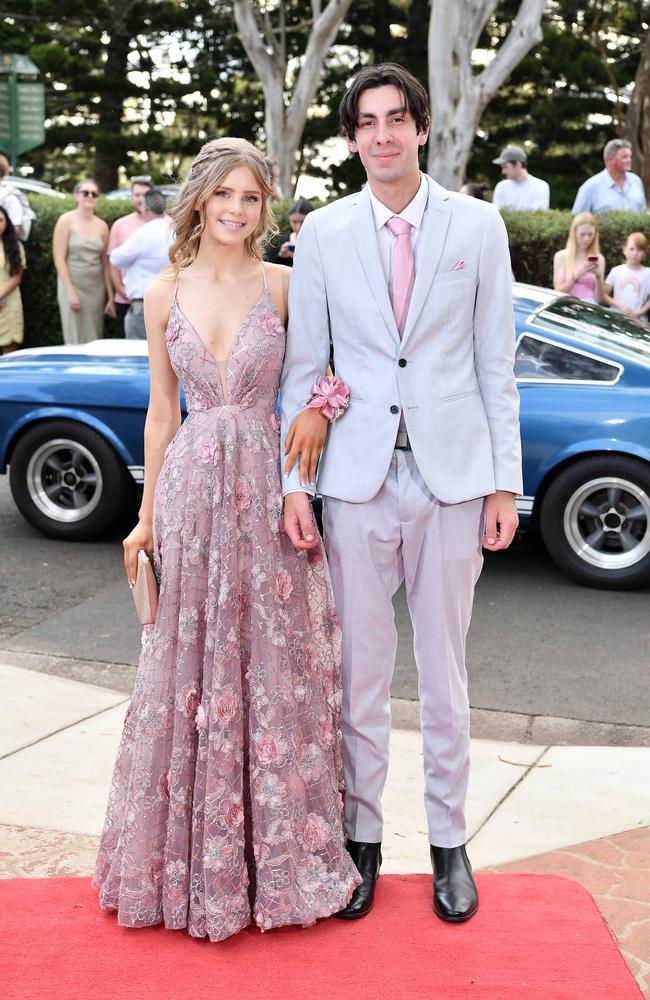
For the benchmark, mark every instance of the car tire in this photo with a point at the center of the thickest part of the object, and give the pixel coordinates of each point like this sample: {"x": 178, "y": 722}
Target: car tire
{"x": 595, "y": 521}
{"x": 67, "y": 481}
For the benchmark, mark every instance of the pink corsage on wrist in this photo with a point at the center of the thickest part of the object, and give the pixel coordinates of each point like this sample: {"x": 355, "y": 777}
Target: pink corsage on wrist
{"x": 331, "y": 396}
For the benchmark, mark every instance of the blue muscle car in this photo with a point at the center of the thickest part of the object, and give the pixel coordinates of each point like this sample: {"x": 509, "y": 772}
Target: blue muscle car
{"x": 71, "y": 433}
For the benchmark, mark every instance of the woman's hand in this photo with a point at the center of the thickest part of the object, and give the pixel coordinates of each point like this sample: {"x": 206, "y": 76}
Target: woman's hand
{"x": 306, "y": 438}
{"x": 140, "y": 538}
{"x": 73, "y": 301}
{"x": 109, "y": 309}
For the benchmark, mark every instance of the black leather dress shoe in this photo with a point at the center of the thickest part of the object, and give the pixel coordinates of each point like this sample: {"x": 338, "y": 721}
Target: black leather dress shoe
{"x": 454, "y": 893}
{"x": 367, "y": 858}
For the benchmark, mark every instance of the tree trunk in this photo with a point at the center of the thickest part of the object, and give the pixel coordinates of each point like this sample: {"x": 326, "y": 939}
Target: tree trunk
{"x": 285, "y": 120}
{"x": 459, "y": 96}
{"x": 637, "y": 125}
{"x": 108, "y": 153}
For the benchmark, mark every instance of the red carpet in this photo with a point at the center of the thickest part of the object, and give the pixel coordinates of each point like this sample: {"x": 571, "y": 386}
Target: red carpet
{"x": 535, "y": 937}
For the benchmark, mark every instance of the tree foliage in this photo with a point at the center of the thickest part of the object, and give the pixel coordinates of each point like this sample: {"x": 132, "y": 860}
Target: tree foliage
{"x": 136, "y": 86}
{"x": 569, "y": 96}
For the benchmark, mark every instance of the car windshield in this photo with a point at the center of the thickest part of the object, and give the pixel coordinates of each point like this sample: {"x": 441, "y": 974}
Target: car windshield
{"x": 602, "y": 327}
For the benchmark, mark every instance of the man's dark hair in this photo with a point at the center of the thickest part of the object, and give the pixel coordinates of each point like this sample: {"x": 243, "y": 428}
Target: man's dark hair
{"x": 155, "y": 201}
{"x": 383, "y": 75}
{"x": 301, "y": 207}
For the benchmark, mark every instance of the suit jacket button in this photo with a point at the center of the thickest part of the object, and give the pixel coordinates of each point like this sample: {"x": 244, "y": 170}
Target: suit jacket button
{"x": 402, "y": 362}
{"x": 394, "y": 409}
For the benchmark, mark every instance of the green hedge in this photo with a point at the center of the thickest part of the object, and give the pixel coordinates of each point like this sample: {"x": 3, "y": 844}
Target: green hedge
{"x": 534, "y": 238}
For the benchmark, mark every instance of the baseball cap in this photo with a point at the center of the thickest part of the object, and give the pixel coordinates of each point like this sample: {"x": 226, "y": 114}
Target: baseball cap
{"x": 511, "y": 154}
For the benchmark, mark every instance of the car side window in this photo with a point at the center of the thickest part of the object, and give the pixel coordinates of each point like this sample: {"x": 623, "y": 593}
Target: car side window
{"x": 540, "y": 360}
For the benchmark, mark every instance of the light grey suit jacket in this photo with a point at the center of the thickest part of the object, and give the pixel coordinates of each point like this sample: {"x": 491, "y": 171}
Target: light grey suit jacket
{"x": 457, "y": 389}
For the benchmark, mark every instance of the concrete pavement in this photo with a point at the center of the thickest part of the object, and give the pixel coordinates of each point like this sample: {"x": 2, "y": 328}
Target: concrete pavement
{"x": 529, "y": 802}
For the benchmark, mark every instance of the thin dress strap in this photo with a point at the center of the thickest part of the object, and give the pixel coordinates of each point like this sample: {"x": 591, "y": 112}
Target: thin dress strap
{"x": 178, "y": 278}
{"x": 264, "y": 277}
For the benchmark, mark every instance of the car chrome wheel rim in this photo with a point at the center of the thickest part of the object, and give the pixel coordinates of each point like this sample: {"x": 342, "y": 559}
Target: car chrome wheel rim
{"x": 64, "y": 480}
{"x": 607, "y": 523}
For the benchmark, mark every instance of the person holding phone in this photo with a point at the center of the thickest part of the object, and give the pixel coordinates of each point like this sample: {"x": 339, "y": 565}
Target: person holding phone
{"x": 282, "y": 249}
{"x": 579, "y": 269}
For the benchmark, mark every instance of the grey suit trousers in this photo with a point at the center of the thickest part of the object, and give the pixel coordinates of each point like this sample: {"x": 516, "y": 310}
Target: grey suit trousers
{"x": 404, "y": 533}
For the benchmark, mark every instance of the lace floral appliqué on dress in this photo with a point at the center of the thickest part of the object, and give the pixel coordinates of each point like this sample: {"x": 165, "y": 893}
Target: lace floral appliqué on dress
{"x": 226, "y": 799}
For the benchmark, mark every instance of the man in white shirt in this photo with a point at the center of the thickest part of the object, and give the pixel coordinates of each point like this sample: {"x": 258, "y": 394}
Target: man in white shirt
{"x": 520, "y": 190}
{"x": 143, "y": 256}
{"x": 120, "y": 232}
{"x": 615, "y": 187}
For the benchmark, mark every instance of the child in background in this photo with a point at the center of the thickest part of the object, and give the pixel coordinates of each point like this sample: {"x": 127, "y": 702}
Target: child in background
{"x": 627, "y": 286}
{"x": 12, "y": 265}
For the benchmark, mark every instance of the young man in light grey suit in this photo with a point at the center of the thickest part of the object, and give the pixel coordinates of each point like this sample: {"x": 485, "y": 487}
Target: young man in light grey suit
{"x": 422, "y": 470}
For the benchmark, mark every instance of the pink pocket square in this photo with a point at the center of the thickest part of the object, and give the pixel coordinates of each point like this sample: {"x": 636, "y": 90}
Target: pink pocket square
{"x": 459, "y": 265}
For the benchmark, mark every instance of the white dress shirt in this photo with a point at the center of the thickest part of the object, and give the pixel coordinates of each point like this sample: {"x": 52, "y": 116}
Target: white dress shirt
{"x": 413, "y": 213}
{"x": 144, "y": 255}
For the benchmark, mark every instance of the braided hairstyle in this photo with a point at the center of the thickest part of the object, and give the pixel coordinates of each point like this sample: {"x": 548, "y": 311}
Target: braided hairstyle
{"x": 10, "y": 243}
{"x": 209, "y": 167}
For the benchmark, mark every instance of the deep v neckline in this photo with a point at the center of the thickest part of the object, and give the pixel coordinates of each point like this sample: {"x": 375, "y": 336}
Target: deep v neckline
{"x": 235, "y": 342}
{"x": 221, "y": 367}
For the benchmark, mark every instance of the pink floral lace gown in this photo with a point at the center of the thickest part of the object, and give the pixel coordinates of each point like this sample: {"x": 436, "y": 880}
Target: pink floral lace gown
{"x": 226, "y": 795}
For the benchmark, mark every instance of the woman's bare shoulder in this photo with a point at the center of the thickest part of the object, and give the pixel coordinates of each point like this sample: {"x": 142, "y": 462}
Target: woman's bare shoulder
{"x": 65, "y": 220}
{"x": 161, "y": 290}
{"x": 278, "y": 276}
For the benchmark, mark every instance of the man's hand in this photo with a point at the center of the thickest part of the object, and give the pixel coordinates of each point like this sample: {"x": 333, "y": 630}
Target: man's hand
{"x": 306, "y": 438}
{"x": 501, "y": 520}
{"x": 299, "y": 521}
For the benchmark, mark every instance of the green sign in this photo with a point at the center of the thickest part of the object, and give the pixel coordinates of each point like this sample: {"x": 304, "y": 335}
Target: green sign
{"x": 5, "y": 116}
{"x": 22, "y": 107}
{"x": 30, "y": 114}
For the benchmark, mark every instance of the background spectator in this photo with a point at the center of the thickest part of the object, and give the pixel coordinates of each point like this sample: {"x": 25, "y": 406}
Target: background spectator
{"x": 15, "y": 202}
{"x": 476, "y": 189}
{"x": 12, "y": 265}
{"x": 579, "y": 268}
{"x": 615, "y": 187}
{"x": 281, "y": 250}
{"x": 84, "y": 288}
{"x": 120, "y": 232}
{"x": 627, "y": 286}
{"x": 143, "y": 256}
{"x": 519, "y": 190}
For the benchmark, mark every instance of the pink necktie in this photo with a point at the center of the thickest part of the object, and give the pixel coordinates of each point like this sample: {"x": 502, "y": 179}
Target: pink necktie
{"x": 403, "y": 270}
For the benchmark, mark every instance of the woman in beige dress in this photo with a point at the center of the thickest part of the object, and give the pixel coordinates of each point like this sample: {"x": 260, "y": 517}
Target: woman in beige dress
{"x": 12, "y": 265}
{"x": 84, "y": 287}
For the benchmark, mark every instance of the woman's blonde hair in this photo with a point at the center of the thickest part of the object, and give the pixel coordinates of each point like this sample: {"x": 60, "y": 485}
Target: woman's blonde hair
{"x": 208, "y": 169}
{"x": 581, "y": 219}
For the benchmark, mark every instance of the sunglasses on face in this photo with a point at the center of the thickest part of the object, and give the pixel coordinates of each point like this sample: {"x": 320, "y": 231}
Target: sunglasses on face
{"x": 88, "y": 194}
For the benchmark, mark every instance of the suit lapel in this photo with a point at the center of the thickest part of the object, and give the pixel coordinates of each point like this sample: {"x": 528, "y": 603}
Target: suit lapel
{"x": 431, "y": 241}
{"x": 362, "y": 225}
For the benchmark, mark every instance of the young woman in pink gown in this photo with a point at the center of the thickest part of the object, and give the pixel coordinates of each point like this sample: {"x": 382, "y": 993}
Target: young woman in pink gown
{"x": 225, "y": 803}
